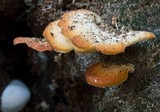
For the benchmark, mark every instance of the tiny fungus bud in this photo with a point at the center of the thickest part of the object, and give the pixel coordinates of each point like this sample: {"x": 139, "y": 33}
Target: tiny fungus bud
{"x": 104, "y": 75}
{"x": 114, "y": 20}
{"x": 15, "y": 96}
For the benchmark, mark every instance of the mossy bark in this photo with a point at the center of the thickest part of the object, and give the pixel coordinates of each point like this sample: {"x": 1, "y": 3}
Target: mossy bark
{"x": 57, "y": 80}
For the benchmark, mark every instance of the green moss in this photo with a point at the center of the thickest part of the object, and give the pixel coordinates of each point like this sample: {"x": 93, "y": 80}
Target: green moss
{"x": 111, "y": 1}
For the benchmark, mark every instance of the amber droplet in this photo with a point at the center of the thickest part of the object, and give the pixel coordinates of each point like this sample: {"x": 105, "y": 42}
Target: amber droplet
{"x": 104, "y": 75}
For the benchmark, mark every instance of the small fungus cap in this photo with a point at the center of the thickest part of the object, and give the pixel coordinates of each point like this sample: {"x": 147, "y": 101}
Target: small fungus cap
{"x": 104, "y": 75}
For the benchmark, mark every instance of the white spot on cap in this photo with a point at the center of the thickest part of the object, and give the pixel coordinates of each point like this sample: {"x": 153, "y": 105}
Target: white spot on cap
{"x": 95, "y": 81}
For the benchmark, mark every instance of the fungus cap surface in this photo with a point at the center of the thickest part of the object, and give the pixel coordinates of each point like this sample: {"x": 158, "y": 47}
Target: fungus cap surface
{"x": 92, "y": 32}
{"x": 103, "y": 75}
{"x": 57, "y": 40}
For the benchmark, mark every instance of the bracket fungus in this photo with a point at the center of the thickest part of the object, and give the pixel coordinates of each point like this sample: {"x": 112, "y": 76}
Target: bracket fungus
{"x": 85, "y": 31}
{"x": 106, "y": 75}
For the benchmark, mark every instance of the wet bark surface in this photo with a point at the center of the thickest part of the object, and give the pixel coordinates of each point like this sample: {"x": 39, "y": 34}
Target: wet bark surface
{"x": 57, "y": 80}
